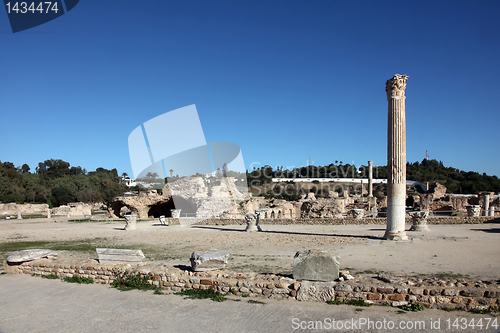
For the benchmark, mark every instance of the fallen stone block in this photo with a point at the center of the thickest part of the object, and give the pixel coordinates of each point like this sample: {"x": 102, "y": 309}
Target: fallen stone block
{"x": 316, "y": 291}
{"x": 207, "y": 260}
{"x": 29, "y": 255}
{"x": 316, "y": 265}
{"x": 113, "y": 256}
{"x": 399, "y": 303}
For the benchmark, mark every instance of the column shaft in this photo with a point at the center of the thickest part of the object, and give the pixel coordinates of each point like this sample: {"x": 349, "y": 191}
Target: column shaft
{"x": 396, "y": 159}
{"x": 370, "y": 178}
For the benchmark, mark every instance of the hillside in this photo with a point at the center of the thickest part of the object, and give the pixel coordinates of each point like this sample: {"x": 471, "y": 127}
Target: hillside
{"x": 456, "y": 181}
{"x": 56, "y": 182}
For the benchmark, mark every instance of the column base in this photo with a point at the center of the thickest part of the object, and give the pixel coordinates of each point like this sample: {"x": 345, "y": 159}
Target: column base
{"x": 253, "y": 228}
{"x": 397, "y": 236}
{"x": 419, "y": 227}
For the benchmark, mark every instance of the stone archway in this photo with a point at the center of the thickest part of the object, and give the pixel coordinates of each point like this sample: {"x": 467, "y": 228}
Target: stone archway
{"x": 116, "y": 206}
{"x": 176, "y": 202}
{"x": 161, "y": 208}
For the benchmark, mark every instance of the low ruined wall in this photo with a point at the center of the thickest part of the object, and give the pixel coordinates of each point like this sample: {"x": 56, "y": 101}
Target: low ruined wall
{"x": 347, "y": 221}
{"x": 430, "y": 292}
{"x": 76, "y": 209}
{"x": 26, "y": 209}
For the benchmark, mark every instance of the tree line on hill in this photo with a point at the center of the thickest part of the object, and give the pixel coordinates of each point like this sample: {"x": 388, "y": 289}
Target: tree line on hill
{"x": 456, "y": 181}
{"x": 56, "y": 183}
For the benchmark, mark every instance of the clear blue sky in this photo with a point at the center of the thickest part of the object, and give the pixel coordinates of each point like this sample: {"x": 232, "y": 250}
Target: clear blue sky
{"x": 282, "y": 79}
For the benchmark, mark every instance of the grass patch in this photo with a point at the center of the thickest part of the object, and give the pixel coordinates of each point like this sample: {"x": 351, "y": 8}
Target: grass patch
{"x": 370, "y": 271}
{"x": 335, "y": 302}
{"x": 490, "y": 309}
{"x": 358, "y": 302}
{"x": 131, "y": 281}
{"x": 50, "y": 277}
{"x": 75, "y": 279}
{"x": 448, "y": 309}
{"x": 252, "y": 301}
{"x": 16, "y": 246}
{"x": 85, "y": 246}
{"x": 201, "y": 294}
{"x": 442, "y": 276}
{"x": 413, "y": 307}
{"x": 34, "y": 216}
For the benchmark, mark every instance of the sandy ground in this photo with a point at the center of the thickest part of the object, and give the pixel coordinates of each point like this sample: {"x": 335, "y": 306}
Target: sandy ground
{"x": 32, "y": 304}
{"x": 467, "y": 250}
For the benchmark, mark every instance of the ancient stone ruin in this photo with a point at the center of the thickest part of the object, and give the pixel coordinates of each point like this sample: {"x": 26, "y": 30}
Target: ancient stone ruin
{"x": 436, "y": 201}
{"x": 396, "y": 158}
{"x": 188, "y": 197}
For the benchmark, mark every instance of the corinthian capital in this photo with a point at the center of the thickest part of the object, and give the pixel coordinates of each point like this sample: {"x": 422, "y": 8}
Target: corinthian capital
{"x": 395, "y": 86}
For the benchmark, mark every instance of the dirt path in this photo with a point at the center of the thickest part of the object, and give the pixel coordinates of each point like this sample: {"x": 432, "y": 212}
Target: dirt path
{"x": 32, "y": 304}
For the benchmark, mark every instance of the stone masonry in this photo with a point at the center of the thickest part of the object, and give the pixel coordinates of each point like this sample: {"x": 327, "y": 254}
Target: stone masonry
{"x": 444, "y": 293}
{"x": 396, "y": 158}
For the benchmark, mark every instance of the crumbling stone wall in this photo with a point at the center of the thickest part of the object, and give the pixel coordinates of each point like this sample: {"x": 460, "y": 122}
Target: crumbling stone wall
{"x": 72, "y": 209}
{"x": 431, "y": 292}
{"x": 346, "y": 221}
{"x": 26, "y": 209}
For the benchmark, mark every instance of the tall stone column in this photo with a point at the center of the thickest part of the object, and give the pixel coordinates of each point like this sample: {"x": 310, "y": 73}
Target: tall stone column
{"x": 370, "y": 179}
{"x": 486, "y": 204}
{"x": 396, "y": 158}
{"x": 372, "y": 201}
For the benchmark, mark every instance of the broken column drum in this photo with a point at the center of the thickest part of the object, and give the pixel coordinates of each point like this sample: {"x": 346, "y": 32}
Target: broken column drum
{"x": 486, "y": 204}
{"x": 372, "y": 201}
{"x": 358, "y": 213}
{"x": 131, "y": 220}
{"x": 419, "y": 220}
{"x": 473, "y": 210}
{"x": 396, "y": 158}
{"x": 176, "y": 213}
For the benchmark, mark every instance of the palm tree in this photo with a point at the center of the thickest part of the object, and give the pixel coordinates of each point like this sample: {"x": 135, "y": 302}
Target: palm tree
{"x": 171, "y": 172}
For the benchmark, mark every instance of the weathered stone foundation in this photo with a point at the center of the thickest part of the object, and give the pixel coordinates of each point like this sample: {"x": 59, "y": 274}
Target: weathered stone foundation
{"x": 431, "y": 292}
{"x": 344, "y": 221}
